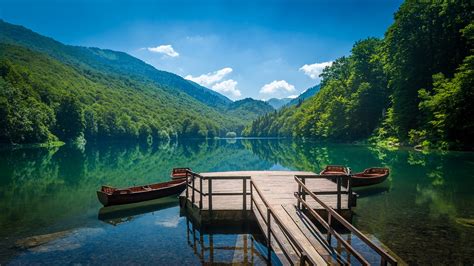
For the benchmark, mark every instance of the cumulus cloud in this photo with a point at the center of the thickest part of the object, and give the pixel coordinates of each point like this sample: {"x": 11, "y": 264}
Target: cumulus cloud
{"x": 228, "y": 88}
{"x": 210, "y": 78}
{"x": 314, "y": 70}
{"x": 164, "y": 49}
{"x": 277, "y": 86}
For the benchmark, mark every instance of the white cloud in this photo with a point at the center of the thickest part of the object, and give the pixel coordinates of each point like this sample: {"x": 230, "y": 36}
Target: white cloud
{"x": 210, "y": 78}
{"x": 228, "y": 88}
{"x": 277, "y": 86}
{"x": 292, "y": 96}
{"x": 164, "y": 49}
{"x": 314, "y": 70}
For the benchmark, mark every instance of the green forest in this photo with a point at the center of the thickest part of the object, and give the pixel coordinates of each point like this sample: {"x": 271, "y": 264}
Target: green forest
{"x": 413, "y": 87}
{"x": 52, "y": 92}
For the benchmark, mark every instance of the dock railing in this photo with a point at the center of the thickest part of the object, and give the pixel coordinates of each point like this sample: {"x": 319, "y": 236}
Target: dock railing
{"x": 302, "y": 257}
{"x": 343, "y": 185}
{"x": 303, "y": 190}
{"x": 191, "y": 188}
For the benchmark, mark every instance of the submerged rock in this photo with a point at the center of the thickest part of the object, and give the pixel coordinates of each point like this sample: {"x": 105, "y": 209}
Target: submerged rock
{"x": 465, "y": 221}
{"x": 34, "y": 241}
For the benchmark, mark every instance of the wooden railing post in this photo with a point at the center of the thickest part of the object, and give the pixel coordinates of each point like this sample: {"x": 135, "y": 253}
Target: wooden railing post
{"x": 339, "y": 181}
{"x": 303, "y": 180}
{"x": 192, "y": 192}
{"x": 298, "y": 203}
{"x": 251, "y": 195}
{"x": 209, "y": 181}
{"x": 269, "y": 234}
{"x": 200, "y": 193}
{"x": 349, "y": 191}
{"x": 187, "y": 186}
{"x": 329, "y": 229}
{"x": 244, "y": 188}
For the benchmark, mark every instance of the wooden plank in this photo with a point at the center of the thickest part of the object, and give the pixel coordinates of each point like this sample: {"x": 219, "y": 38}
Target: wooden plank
{"x": 278, "y": 188}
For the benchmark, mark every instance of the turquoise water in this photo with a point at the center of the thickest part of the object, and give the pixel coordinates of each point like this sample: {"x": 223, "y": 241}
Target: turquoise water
{"x": 423, "y": 212}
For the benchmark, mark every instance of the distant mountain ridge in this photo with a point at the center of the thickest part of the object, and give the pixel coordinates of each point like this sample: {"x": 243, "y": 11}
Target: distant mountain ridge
{"x": 278, "y": 103}
{"x": 283, "y": 102}
{"x": 305, "y": 95}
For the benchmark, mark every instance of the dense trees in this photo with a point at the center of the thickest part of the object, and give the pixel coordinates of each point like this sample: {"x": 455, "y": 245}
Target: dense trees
{"x": 43, "y": 100}
{"x": 414, "y": 86}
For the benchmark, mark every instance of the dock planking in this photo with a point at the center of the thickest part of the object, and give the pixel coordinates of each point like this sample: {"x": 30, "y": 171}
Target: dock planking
{"x": 278, "y": 188}
{"x": 297, "y": 212}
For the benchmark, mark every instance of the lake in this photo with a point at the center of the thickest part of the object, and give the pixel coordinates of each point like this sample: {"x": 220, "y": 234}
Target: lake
{"x": 423, "y": 212}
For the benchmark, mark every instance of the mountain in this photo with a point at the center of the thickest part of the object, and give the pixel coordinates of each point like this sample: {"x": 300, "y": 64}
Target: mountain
{"x": 278, "y": 103}
{"x": 109, "y": 62}
{"x": 305, "y": 95}
{"x": 50, "y": 91}
{"x": 249, "y": 108}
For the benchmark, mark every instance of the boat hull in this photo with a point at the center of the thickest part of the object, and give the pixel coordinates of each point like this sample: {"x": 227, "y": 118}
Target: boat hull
{"x": 118, "y": 199}
{"x": 367, "y": 180}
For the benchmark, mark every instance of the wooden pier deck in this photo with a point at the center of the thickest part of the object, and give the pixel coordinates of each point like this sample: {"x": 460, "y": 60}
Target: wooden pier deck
{"x": 277, "y": 201}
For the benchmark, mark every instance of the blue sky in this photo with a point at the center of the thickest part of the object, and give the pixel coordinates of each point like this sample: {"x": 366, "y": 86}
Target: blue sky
{"x": 258, "y": 49}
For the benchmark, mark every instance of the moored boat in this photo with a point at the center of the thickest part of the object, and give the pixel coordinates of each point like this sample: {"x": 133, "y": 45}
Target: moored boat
{"x": 370, "y": 176}
{"x": 335, "y": 170}
{"x": 180, "y": 173}
{"x": 114, "y": 196}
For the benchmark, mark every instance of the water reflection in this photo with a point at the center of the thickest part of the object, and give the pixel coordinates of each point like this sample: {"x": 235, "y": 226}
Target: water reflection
{"x": 115, "y": 215}
{"x": 422, "y": 212}
{"x": 224, "y": 245}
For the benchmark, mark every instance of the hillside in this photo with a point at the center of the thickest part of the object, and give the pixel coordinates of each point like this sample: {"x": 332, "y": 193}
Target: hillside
{"x": 51, "y": 91}
{"x": 414, "y": 86}
{"x": 108, "y": 62}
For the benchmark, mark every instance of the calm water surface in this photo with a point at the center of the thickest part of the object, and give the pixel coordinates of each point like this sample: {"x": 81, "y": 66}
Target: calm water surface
{"x": 423, "y": 212}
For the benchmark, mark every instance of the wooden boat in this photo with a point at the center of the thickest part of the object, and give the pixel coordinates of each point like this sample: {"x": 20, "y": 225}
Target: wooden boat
{"x": 179, "y": 173}
{"x": 335, "y": 170}
{"x": 370, "y": 176}
{"x": 114, "y": 196}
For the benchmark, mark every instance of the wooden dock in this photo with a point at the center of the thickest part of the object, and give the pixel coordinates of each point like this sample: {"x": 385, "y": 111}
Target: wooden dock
{"x": 297, "y": 211}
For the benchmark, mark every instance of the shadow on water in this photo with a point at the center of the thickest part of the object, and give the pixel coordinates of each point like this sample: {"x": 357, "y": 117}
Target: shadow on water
{"x": 115, "y": 215}
{"x": 372, "y": 190}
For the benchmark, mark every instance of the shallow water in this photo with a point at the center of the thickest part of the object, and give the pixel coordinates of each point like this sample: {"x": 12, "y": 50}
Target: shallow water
{"x": 423, "y": 212}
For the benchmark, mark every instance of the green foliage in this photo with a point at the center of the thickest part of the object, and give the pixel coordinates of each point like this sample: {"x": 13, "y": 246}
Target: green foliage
{"x": 69, "y": 119}
{"x": 42, "y": 99}
{"x": 414, "y": 86}
{"x": 349, "y": 105}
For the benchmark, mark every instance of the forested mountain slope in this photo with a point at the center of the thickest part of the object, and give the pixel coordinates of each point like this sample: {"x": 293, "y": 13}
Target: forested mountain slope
{"x": 51, "y": 91}
{"x": 413, "y": 86}
{"x": 108, "y": 62}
